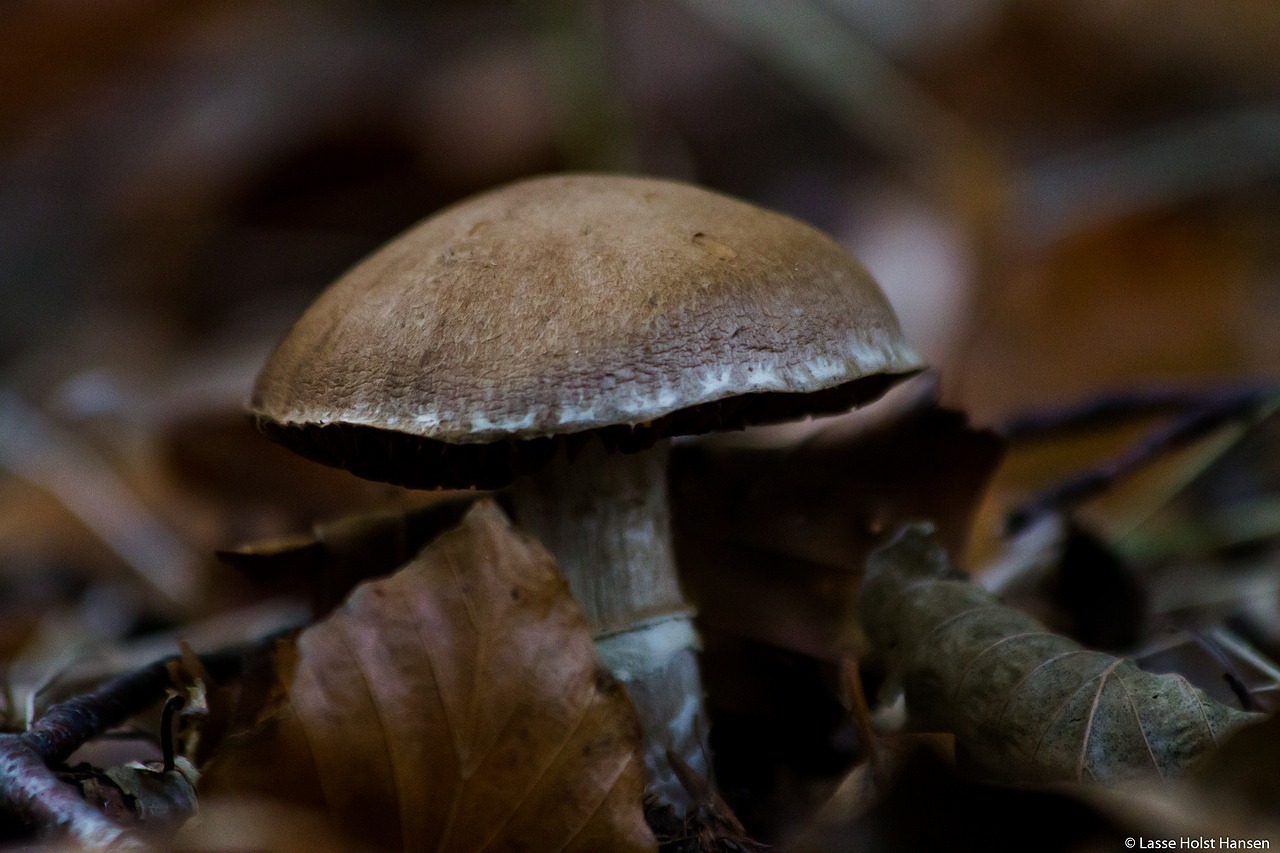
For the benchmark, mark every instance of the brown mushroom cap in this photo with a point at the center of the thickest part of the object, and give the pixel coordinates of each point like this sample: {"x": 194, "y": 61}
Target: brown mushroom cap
{"x": 458, "y": 353}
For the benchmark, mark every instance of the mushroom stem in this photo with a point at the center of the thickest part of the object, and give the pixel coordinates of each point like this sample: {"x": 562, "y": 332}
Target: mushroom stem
{"x": 607, "y": 520}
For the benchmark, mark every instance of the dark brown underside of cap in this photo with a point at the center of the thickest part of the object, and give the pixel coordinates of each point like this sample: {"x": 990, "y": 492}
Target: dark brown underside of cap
{"x": 423, "y": 463}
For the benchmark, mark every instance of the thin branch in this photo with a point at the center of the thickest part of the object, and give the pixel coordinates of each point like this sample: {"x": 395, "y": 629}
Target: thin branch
{"x": 851, "y": 678}
{"x": 68, "y": 725}
{"x": 1115, "y": 408}
{"x": 30, "y": 790}
{"x": 1229, "y": 674}
{"x": 1210, "y": 411}
{"x": 48, "y": 456}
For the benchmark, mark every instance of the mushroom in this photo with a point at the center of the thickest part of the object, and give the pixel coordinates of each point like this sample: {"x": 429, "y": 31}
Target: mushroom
{"x": 554, "y": 334}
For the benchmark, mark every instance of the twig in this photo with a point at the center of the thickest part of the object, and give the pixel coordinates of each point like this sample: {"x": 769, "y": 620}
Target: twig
{"x": 1213, "y": 410}
{"x": 172, "y": 706}
{"x": 851, "y": 677}
{"x": 68, "y": 725}
{"x": 31, "y": 791}
{"x": 1229, "y": 674}
{"x": 1118, "y": 407}
{"x": 43, "y": 453}
{"x": 710, "y": 821}
{"x": 1242, "y": 649}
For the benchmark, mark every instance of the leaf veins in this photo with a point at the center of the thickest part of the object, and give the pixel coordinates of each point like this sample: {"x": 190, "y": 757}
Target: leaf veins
{"x": 437, "y": 710}
{"x": 1025, "y": 705}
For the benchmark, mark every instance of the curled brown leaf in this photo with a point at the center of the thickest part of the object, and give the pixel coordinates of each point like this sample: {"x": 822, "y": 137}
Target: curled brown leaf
{"x": 1025, "y": 704}
{"x": 456, "y": 705}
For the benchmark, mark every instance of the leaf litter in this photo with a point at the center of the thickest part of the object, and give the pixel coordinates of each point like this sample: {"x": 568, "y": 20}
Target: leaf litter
{"x": 455, "y": 705}
{"x": 771, "y": 541}
{"x": 1024, "y": 704}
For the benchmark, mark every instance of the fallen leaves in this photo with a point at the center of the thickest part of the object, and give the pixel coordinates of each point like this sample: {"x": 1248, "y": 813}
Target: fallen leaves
{"x": 1025, "y": 705}
{"x": 328, "y": 562}
{"x": 1060, "y": 817}
{"x": 456, "y": 705}
{"x": 771, "y": 542}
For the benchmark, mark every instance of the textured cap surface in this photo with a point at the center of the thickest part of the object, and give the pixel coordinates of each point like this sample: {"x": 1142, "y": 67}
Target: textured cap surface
{"x": 569, "y": 303}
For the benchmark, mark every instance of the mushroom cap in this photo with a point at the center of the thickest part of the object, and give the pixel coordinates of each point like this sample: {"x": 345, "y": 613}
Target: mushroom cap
{"x": 572, "y": 304}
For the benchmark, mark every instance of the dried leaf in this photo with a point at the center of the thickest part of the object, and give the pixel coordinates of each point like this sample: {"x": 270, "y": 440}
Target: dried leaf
{"x": 217, "y": 454}
{"x": 457, "y": 705}
{"x": 1025, "y": 705}
{"x": 337, "y": 555}
{"x": 242, "y": 824}
{"x": 1243, "y": 771}
{"x": 771, "y": 543}
{"x": 930, "y": 807}
{"x": 209, "y": 710}
{"x": 144, "y": 796}
{"x": 1164, "y": 322}
{"x": 161, "y": 799}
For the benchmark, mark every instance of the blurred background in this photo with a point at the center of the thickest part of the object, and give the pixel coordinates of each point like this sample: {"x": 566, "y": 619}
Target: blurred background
{"x": 1059, "y": 198}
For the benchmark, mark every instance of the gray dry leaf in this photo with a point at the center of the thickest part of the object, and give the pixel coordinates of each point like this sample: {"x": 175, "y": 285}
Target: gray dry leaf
{"x": 1025, "y": 705}
{"x": 456, "y": 705}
